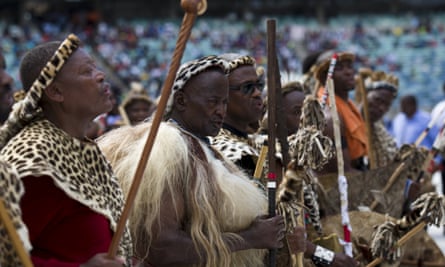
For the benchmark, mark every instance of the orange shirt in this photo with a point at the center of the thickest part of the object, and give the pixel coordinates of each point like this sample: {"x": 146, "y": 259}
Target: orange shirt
{"x": 354, "y": 126}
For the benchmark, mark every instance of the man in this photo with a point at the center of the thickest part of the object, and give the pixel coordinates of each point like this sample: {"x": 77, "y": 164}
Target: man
{"x": 381, "y": 90}
{"x": 410, "y": 122}
{"x": 6, "y": 84}
{"x": 352, "y": 125}
{"x": 72, "y": 201}
{"x": 137, "y": 105}
{"x": 293, "y": 96}
{"x": 245, "y": 107}
{"x": 193, "y": 207}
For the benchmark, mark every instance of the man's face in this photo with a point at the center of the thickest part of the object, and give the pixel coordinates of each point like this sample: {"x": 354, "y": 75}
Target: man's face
{"x": 292, "y": 107}
{"x": 379, "y": 102}
{"x": 86, "y": 94}
{"x": 245, "y": 99}
{"x": 344, "y": 76}
{"x": 138, "y": 110}
{"x": 204, "y": 102}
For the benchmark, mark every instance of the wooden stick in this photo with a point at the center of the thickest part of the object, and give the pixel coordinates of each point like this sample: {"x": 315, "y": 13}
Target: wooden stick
{"x": 401, "y": 241}
{"x": 281, "y": 123}
{"x": 363, "y": 92}
{"x": 124, "y": 115}
{"x": 14, "y": 237}
{"x": 426, "y": 131}
{"x": 271, "y": 92}
{"x": 192, "y": 9}
{"x": 299, "y": 261}
{"x": 342, "y": 182}
{"x": 260, "y": 162}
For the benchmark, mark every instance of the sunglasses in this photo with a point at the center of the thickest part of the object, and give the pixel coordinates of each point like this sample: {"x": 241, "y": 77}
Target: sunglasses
{"x": 248, "y": 87}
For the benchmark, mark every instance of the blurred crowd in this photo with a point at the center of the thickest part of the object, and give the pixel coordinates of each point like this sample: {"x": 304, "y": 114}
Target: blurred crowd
{"x": 412, "y": 47}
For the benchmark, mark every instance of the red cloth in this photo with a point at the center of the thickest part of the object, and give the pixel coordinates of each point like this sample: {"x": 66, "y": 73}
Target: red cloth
{"x": 63, "y": 232}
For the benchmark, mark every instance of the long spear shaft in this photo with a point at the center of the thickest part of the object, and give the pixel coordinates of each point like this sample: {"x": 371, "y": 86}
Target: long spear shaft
{"x": 363, "y": 92}
{"x": 192, "y": 8}
{"x": 271, "y": 94}
{"x": 342, "y": 181}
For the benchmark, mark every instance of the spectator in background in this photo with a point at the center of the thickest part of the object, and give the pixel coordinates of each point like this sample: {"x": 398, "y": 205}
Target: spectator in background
{"x": 137, "y": 105}
{"x": 410, "y": 122}
{"x": 6, "y": 83}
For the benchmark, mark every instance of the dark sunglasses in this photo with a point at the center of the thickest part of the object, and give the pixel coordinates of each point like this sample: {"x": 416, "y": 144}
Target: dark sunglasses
{"x": 249, "y": 87}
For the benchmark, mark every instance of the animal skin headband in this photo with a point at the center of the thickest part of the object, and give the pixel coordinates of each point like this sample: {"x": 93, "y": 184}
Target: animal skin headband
{"x": 25, "y": 110}
{"x": 190, "y": 69}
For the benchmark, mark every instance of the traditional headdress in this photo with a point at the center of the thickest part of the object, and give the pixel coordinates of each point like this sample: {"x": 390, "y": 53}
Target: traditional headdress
{"x": 27, "y": 109}
{"x": 381, "y": 80}
{"x": 237, "y": 60}
{"x": 322, "y": 64}
{"x": 190, "y": 69}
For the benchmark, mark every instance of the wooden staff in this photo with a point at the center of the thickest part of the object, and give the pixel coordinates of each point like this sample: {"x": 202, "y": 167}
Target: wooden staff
{"x": 426, "y": 131}
{"x": 14, "y": 237}
{"x": 124, "y": 115}
{"x": 260, "y": 162}
{"x": 281, "y": 123}
{"x": 298, "y": 260}
{"x": 342, "y": 182}
{"x": 192, "y": 9}
{"x": 363, "y": 73}
{"x": 271, "y": 121}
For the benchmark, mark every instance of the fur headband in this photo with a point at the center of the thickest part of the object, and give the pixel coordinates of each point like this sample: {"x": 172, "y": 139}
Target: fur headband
{"x": 190, "y": 69}
{"x": 27, "y": 109}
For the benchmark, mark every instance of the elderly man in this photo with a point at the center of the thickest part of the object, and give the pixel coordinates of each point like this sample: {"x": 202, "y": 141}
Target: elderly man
{"x": 72, "y": 200}
{"x": 245, "y": 107}
{"x": 193, "y": 207}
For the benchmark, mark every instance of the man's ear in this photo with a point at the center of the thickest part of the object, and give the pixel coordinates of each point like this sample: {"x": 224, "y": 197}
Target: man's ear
{"x": 54, "y": 93}
{"x": 180, "y": 100}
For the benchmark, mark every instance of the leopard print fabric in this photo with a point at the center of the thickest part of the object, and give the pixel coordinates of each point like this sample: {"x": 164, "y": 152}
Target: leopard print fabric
{"x": 11, "y": 190}
{"x": 78, "y": 168}
{"x": 28, "y": 108}
{"x": 233, "y": 147}
{"x": 383, "y": 144}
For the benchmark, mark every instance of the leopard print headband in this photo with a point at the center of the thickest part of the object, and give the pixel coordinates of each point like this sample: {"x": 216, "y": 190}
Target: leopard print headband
{"x": 190, "y": 69}
{"x": 237, "y": 60}
{"x": 27, "y": 109}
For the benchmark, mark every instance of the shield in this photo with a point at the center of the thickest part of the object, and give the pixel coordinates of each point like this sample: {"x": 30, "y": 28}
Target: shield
{"x": 363, "y": 189}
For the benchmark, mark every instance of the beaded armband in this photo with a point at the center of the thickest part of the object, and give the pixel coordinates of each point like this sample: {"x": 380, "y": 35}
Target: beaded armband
{"x": 323, "y": 256}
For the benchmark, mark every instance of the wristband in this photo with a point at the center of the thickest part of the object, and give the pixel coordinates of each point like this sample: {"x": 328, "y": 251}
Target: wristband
{"x": 323, "y": 256}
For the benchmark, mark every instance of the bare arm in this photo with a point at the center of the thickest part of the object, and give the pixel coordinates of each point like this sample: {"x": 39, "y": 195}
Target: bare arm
{"x": 173, "y": 246}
